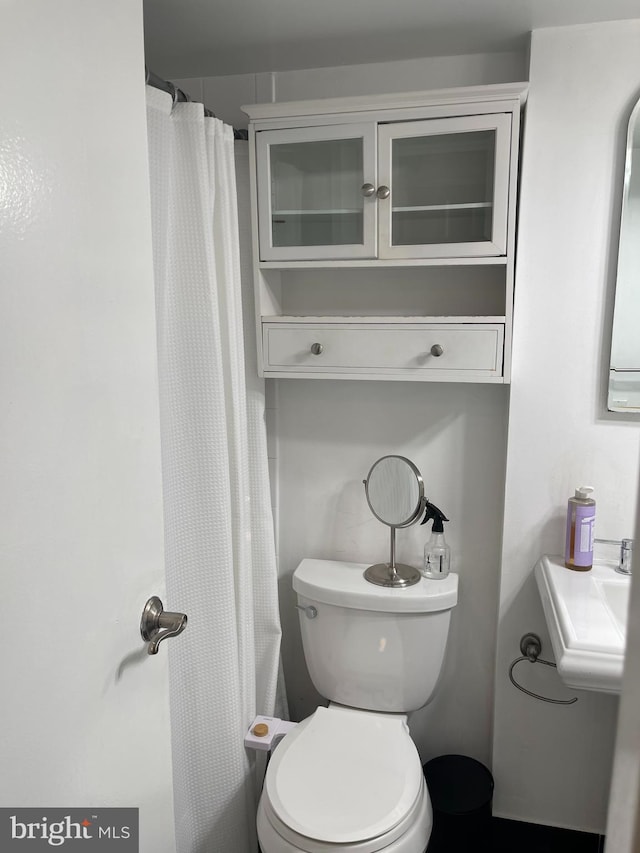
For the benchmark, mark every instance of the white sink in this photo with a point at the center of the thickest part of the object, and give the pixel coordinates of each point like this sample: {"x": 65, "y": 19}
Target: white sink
{"x": 586, "y": 613}
{"x": 616, "y": 599}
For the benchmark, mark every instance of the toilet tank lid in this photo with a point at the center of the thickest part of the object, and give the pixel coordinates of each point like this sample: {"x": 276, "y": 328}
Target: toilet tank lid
{"x": 343, "y": 584}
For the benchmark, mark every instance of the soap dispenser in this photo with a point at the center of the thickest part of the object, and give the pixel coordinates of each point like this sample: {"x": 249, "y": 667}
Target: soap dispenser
{"x": 581, "y": 516}
{"x": 437, "y": 554}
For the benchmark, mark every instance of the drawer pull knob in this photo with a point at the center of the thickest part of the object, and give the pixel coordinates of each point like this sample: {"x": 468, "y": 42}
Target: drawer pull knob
{"x": 437, "y": 350}
{"x": 383, "y": 192}
{"x": 368, "y": 190}
{"x": 316, "y": 349}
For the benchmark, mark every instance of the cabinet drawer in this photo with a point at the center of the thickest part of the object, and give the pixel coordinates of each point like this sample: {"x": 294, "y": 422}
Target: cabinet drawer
{"x": 384, "y": 349}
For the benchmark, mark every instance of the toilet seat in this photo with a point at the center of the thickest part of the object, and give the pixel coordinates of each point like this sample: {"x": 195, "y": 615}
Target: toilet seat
{"x": 409, "y": 836}
{"x": 345, "y": 776}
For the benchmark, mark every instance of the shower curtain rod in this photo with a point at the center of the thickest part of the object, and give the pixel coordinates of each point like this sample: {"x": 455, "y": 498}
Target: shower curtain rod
{"x": 181, "y": 97}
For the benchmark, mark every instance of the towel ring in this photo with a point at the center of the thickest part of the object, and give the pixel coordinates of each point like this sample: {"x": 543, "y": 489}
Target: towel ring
{"x": 531, "y": 646}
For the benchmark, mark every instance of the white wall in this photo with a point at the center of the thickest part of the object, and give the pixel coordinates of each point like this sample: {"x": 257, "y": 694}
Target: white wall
{"x": 552, "y": 764}
{"x": 329, "y": 435}
{"x": 225, "y": 95}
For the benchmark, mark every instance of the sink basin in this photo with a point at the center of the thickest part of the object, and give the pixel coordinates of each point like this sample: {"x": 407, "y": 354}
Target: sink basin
{"x": 586, "y": 614}
{"x": 616, "y": 599}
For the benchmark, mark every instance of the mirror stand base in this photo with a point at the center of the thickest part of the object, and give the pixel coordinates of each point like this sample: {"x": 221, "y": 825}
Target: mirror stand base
{"x": 400, "y": 575}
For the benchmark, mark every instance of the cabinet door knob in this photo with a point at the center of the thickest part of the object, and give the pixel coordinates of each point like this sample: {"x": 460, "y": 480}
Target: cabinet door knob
{"x": 383, "y": 192}
{"x": 316, "y": 349}
{"x": 368, "y": 190}
{"x": 437, "y": 350}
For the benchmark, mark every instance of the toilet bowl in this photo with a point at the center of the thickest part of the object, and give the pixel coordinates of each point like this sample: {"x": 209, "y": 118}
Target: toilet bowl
{"x": 348, "y": 779}
{"x": 345, "y": 779}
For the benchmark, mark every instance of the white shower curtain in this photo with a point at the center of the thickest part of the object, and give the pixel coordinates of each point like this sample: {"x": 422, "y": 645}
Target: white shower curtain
{"x": 220, "y": 556}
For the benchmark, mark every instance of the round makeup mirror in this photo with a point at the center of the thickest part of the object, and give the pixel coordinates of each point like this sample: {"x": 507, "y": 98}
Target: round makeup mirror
{"x": 395, "y": 494}
{"x": 394, "y": 490}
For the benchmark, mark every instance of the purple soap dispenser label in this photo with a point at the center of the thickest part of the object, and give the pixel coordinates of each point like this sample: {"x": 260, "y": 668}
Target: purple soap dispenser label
{"x": 581, "y": 524}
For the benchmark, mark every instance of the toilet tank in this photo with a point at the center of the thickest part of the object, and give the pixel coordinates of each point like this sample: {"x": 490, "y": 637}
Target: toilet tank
{"x": 370, "y": 646}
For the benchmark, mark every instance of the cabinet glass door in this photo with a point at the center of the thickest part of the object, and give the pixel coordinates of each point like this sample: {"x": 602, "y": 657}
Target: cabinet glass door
{"x": 448, "y": 183}
{"x": 311, "y": 202}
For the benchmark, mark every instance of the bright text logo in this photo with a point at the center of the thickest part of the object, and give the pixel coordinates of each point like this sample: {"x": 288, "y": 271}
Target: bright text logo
{"x": 30, "y": 830}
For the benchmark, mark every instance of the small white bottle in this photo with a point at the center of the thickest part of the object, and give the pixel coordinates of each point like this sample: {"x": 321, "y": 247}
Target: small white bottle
{"x": 437, "y": 554}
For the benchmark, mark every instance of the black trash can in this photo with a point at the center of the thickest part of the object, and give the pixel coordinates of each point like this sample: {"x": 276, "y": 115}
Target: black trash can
{"x": 461, "y": 790}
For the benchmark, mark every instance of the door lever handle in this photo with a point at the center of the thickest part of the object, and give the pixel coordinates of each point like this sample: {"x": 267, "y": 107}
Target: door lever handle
{"x": 158, "y": 624}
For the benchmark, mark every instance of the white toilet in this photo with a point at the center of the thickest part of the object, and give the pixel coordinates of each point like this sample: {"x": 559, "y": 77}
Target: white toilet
{"x": 349, "y": 778}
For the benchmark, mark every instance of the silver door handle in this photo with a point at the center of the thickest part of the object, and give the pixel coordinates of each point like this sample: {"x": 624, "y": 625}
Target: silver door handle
{"x": 158, "y": 624}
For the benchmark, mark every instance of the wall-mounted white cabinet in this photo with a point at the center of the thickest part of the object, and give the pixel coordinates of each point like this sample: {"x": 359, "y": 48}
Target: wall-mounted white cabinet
{"x": 384, "y": 229}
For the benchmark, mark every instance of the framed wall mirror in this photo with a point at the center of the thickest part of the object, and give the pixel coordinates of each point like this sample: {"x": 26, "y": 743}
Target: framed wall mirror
{"x": 624, "y": 368}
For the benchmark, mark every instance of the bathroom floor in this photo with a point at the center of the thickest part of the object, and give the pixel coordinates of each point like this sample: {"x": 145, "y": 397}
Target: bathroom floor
{"x": 513, "y": 836}
{"x": 496, "y": 835}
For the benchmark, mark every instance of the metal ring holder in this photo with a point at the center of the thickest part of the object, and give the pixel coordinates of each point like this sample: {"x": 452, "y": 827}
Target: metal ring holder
{"x": 531, "y": 646}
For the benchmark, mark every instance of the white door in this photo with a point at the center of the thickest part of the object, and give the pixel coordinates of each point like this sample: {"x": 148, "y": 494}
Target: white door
{"x": 444, "y": 187}
{"x": 84, "y": 718}
{"x": 316, "y": 192}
